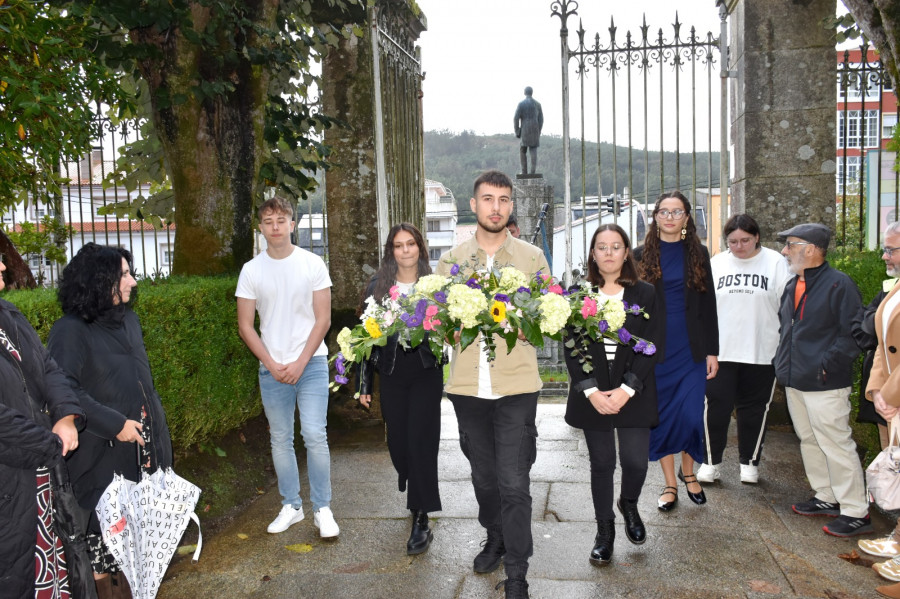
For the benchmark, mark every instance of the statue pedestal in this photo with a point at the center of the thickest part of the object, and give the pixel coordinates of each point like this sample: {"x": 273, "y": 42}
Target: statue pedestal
{"x": 530, "y": 193}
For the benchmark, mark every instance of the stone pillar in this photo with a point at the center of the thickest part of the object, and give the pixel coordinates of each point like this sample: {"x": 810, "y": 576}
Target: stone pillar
{"x": 783, "y": 119}
{"x": 530, "y": 192}
{"x": 783, "y": 113}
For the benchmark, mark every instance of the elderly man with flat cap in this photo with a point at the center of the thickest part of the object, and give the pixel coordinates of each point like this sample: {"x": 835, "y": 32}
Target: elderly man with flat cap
{"x": 814, "y": 362}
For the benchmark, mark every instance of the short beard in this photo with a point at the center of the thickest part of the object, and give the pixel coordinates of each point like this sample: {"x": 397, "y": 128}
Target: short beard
{"x": 892, "y": 271}
{"x": 491, "y": 227}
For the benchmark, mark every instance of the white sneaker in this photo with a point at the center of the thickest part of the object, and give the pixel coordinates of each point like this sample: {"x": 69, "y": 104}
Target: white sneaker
{"x": 749, "y": 474}
{"x": 324, "y": 519}
{"x": 288, "y": 516}
{"x": 708, "y": 473}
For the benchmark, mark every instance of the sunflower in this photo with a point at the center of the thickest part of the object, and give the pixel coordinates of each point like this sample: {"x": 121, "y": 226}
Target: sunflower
{"x": 498, "y": 311}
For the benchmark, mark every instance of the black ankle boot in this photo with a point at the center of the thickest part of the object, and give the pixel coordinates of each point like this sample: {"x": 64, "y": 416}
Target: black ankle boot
{"x": 489, "y": 557}
{"x": 420, "y": 536}
{"x": 634, "y": 526}
{"x": 601, "y": 554}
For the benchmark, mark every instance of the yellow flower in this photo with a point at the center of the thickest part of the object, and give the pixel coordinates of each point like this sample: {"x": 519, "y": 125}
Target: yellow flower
{"x": 373, "y": 329}
{"x": 498, "y": 311}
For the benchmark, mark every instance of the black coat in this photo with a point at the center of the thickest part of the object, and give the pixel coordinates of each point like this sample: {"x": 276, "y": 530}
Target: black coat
{"x": 34, "y": 395}
{"x": 816, "y": 348}
{"x": 107, "y": 360}
{"x": 699, "y": 311}
{"x": 633, "y": 369}
{"x": 863, "y": 332}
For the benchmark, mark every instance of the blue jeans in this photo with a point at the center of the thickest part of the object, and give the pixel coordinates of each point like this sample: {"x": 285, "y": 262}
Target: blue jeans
{"x": 280, "y": 401}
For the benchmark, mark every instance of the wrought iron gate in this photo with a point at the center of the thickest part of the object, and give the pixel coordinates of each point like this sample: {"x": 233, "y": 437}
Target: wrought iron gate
{"x": 654, "y": 87}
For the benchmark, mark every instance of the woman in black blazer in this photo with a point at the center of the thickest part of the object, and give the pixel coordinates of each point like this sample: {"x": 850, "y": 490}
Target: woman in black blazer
{"x": 618, "y": 397}
{"x": 411, "y": 387}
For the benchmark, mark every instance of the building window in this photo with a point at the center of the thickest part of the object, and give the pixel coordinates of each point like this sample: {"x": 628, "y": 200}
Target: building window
{"x": 888, "y": 122}
{"x": 851, "y": 78}
{"x": 852, "y": 174}
{"x": 34, "y": 261}
{"x": 167, "y": 256}
{"x": 317, "y": 235}
{"x": 856, "y": 130}
{"x": 434, "y": 225}
{"x": 45, "y": 211}
{"x": 434, "y": 254}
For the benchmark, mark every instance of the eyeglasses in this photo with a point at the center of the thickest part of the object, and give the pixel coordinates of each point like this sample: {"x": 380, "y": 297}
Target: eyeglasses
{"x": 790, "y": 244}
{"x": 610, "y": 249}
{"x": 745, "y": 241}
{"x": 676, "y": 214}
{"x": 889, "y": 251}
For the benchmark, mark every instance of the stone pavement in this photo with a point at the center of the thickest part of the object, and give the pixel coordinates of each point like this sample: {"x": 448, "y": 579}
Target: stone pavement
{"x": 745, "y": 542}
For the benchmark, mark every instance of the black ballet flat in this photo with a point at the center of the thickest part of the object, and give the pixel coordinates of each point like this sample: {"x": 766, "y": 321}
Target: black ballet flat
{"x": 698, "y": 498}
{"x": 666, "y": 506}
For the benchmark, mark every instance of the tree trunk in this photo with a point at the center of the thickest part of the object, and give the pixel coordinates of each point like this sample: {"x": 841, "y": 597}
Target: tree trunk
{"x": 212, "y": 140}
{"x": 880, "y": 21}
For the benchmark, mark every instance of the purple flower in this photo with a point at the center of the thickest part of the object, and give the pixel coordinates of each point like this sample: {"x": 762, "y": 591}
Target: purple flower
{"x": 603, "y": 326}
{"x": 538, "y": 276}
{"x": 339, "y": 364}
{"x": 454, "y": 270}
{"x": 440, "y": 297}
{"x": 639, "y": 346}
{"x": 501, "y": 297}
{"x": 420, "y": 309}
{"x": 651, "y": 349}
{"x": 341, "y": 380}
{"x": 405, "y": 318}
{"x": 543, "y": 291}
{"x": 624, "y": 335}
{"x": 473, "y": 283}
{"x": 414, "y": 321}
{"x": 523, "y": 290}
{"x": 635, "y": 309}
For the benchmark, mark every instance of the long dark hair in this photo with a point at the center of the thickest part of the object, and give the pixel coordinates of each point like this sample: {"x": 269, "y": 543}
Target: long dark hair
{"x": 629, "y": 274}
{"x": 650, "y": 270}
{"x": 387, "y": 273}
{"x": 91, "y": 280}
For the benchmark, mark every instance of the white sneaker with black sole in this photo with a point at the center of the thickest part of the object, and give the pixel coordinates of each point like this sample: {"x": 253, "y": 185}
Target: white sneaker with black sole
{"x": 287, "y": 517}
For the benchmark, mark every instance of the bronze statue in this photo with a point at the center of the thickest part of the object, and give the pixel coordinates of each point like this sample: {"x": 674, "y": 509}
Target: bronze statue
{"x": 529, "y": 121}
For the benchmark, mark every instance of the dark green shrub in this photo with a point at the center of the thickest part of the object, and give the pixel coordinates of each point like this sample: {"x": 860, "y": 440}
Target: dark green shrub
{"x": 206, "y": 376}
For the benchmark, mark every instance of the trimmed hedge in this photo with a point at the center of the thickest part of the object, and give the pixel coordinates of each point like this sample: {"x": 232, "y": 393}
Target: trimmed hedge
{"x": 206, "y": 376}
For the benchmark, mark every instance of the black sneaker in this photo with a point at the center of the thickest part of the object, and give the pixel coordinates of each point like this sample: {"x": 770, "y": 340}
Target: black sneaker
{"x": 848, "y": 526}
{"x": 816, "y": 507}
{"x": 515, "y": 588}
{"x": 489, "y": 558}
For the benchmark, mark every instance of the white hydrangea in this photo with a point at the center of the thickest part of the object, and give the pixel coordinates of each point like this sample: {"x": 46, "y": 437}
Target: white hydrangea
{"x": 427, "y": 285}
{"x": 614, "y": 314}
{"x": 511, "y": 279}
{"x": 465, "y": 304}
{"x": 555, "y": 312}
{"x": 343, "y": 340}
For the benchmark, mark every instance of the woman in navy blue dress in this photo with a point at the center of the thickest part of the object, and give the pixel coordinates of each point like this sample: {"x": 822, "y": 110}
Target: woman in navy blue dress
{"x": 673, "y": 259}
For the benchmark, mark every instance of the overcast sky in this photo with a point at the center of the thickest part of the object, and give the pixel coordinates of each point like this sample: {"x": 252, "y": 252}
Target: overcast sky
{"x": 478, "y": 55}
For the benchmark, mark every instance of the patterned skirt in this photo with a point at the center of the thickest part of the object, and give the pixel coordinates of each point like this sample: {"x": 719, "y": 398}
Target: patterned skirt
{"x": 51, "y": 578}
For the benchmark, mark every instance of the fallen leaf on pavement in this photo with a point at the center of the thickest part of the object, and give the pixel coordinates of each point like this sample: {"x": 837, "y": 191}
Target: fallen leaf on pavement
{"x": 185, "y": 549}
{"x": 856, "y": 559}
{"x": 838, "y": 595}
{"x": 762, "y": 586}
{"x": 266, "y": 578}
{"x": 242, "y": 437}
{"x": 299, "y": 547}
{"x": 242, "y": 536}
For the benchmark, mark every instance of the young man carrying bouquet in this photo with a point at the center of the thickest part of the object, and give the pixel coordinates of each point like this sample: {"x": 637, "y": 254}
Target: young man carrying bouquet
{"x": 496, "y": 401}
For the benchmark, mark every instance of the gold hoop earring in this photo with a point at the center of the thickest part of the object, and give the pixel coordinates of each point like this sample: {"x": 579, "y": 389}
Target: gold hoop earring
{"x": 683, "y": 233}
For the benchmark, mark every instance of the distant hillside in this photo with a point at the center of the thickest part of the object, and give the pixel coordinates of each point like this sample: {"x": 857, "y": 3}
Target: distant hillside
{"x": 456, "y": 160}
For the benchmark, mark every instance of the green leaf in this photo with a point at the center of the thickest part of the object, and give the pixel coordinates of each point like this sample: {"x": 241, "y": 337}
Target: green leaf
{"x": 467, "y": 336}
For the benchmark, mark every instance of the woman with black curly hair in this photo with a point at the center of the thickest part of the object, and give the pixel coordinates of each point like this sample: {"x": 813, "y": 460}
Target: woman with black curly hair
{"x": 673, "y": 259}
{"x": 411, "y": 385}
{"x": 99, "y": 345}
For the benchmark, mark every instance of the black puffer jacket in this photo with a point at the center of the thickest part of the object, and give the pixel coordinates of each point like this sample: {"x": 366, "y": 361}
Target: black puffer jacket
{"x": 107, "y": 359}
{"x": 34, "y": 395}
{"x": 816, "y": 349}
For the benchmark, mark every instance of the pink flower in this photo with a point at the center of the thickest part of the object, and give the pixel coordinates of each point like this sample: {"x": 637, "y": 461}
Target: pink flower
{"x": 589, "y": 307}
{"x": 430, "y": 323}
{"x": 394, "y": 292}
{"x": 431, "y": 310}
{"x": 558, "y": 290}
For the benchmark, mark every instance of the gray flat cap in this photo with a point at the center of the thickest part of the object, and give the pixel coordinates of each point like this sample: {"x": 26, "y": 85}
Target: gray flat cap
{"x": 817, "y": 234}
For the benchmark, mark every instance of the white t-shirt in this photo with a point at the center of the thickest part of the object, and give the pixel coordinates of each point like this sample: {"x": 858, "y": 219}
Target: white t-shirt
{"x": 748, "y": 293}
{"x": 283, "y": 290}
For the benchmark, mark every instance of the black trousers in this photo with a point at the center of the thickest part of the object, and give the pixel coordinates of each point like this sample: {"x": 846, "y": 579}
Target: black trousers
{"x": 634, "y": 451}
{"x": 411, "y": 406}
{"x": 499, "y": 438}
{"x": 746, "y": 389}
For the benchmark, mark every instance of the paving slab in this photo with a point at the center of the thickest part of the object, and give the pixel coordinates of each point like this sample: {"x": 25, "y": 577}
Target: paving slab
{"x": 744, "y": 543}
